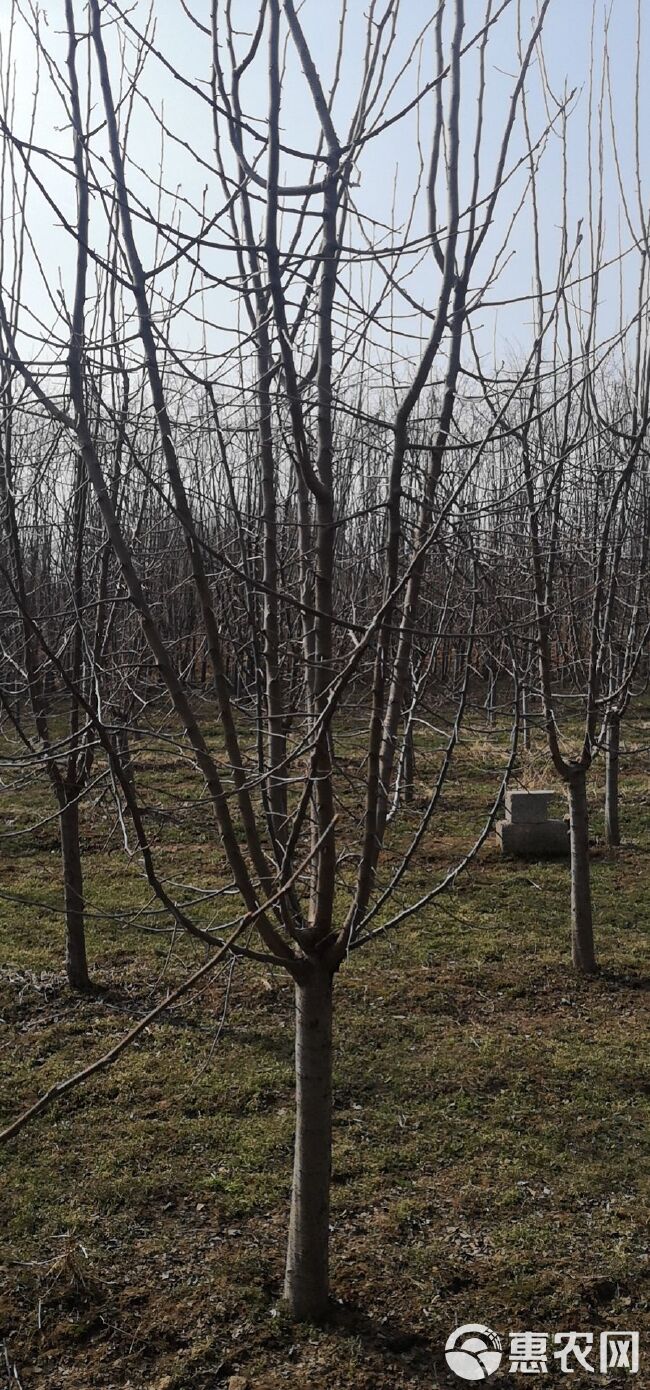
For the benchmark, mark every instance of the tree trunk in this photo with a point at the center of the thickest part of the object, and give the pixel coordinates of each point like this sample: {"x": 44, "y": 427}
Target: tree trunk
{"x": 409, "y": 765}
{"x": 525, "y": 717}
{"x": 489, "y": 703}
{"x": 76, "y": 964}
{"x": 123, "y": 749}
{"x": 306, "y": 1284}
{"x": 582, "y": 931}
{"x": 612, "y": 754}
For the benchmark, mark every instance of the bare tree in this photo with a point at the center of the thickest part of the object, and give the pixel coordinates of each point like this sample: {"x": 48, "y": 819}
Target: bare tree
{"x": 321, "y": 524}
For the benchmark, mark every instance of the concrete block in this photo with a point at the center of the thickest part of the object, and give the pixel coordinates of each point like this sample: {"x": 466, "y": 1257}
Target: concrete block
{"x": 523, "y": 808}
{"x": 534, "y": 839}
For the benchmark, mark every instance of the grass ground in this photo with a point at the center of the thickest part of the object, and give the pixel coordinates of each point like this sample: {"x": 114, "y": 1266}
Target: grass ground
{"x": 490, "y": 1142}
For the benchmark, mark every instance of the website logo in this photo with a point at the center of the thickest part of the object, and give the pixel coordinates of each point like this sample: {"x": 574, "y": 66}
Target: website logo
{"x": 473, "y": 1352}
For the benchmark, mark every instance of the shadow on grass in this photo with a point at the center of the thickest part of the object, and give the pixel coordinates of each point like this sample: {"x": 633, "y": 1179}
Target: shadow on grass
{"x": 625, "y": 981}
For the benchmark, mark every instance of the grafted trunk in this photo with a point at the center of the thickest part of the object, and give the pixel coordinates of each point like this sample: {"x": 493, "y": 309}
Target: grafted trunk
{"x": 76, "y": 963}
{"x": 612, "y": 758}
{"x": 582, "y": 931}
{"x": 306, "y": 1285}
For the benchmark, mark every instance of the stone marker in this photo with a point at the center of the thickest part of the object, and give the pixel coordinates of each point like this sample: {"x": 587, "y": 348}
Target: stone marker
{"x": 524, "y": 807}
{"x": 528, "y": 830}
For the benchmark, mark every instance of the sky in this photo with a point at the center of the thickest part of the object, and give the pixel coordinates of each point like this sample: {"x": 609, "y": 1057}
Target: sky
{"x": 387, "y": 170}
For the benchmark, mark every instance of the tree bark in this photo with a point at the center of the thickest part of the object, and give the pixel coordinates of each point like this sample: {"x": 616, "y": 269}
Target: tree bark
{"x": 582, "y": 932}
{"x": 76, "y": 964}
{"x": 612, "y": 758}
{"x": 306, "y": 1285}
